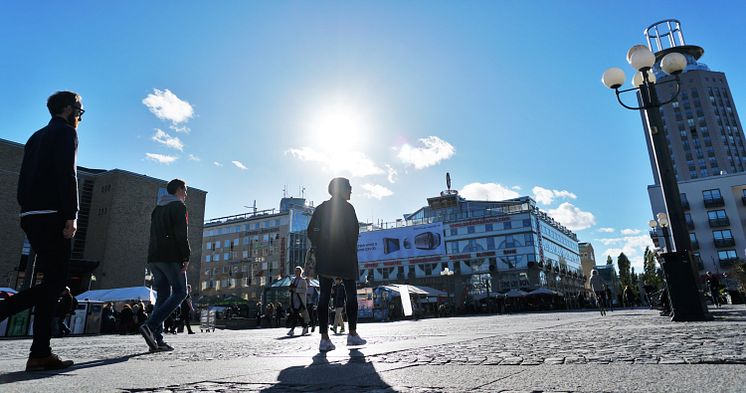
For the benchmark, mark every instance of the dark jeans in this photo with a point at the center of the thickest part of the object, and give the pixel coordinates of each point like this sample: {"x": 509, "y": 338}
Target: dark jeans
{"x": 44, "y": 233}
{"x": 295, "y": 317}
{"x": 325, "y": 288}
{"x": 170, "y": 283}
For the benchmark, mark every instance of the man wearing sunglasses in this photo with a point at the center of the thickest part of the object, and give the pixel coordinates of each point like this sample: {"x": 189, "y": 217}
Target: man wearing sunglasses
{"x": 48, "y": 195}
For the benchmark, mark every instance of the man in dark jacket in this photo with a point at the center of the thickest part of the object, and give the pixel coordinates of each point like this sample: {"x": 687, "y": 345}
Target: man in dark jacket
{"x": 333, "y": 232}
{"x": 65, "y": 306}
{"x": 168, "y": 260}
{"x": 48, "y": 195}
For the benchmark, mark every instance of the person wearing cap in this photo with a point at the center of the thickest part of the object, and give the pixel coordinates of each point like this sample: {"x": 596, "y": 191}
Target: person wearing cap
{"x": 333, "y": 231}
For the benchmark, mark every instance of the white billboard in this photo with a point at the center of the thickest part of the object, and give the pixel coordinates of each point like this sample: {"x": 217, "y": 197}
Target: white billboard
{"x": 399, "y": 243}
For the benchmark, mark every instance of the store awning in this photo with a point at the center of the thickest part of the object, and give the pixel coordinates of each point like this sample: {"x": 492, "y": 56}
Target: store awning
{"x": 118, "y": 294}
{"x": 543, "y": 291}
{"x": 515, "y": 293}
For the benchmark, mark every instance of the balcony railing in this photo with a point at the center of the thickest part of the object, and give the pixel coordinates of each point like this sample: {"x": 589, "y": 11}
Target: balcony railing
{"x": 714, "y": 202}
{"x": 725, "y": 242}
{"x": 728, "y": 262}
{"x": 719, "y": 222}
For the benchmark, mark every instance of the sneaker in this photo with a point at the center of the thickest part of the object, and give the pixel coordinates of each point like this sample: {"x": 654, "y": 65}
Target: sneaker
{"x": 291, "y": 333}
{"x": 305, "y": 331}
{"x": 355, "y": 340}
{"x": 148, "y": 335}
{"x": 51, "y": 362}
{"x": 162, "y": 347}
{"x": 334, "y": 329}
{"x": 326, "y": 345}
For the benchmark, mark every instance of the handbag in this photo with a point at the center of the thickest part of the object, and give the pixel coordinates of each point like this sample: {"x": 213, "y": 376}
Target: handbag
{"x": 310, "y": 266}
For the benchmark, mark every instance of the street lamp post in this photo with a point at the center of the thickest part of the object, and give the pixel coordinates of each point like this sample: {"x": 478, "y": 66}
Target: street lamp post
{"x": 662, "y": 221}
{"x": 446, "y": 273}
{"x": 687, "y": 303}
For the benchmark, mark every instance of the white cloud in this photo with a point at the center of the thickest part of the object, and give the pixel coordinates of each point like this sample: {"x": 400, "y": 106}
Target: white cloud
{"x": 572, "y": 217}
{"x": 217, "y": 164}
{"x": 376, "y": 191}
{"x": 606, "y": 230}
{"x": 182, "y": 129}
{"x": 239, "y": 165}
{"x": 167, "y": 106}
{"x": 192, "y": 157}
{"x": 488, "y": 192}
{"x": 545, "y": 196}
{"x": 353, "y": 162}
{"x": 434, "y": 150}
{"x": 517, "y": 188}
{"x": 630, "y": 231}
{"x": 632, "y": 246}
{"x": 393, "y": 174}
{"x": 168, "y": 140}
{"x": 161, "y": 158}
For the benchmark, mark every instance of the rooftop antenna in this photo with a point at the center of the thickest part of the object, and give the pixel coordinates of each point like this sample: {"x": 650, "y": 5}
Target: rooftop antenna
{"x": 449, "y": 191}
{"x": 303, "y": 192}
{"x": 285, "y": 191}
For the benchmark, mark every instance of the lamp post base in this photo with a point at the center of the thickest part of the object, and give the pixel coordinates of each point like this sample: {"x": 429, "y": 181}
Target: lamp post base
{"x": 687, "y": 304}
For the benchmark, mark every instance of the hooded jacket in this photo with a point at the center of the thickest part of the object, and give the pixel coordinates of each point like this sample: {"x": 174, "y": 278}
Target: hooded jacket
{"x": 168, "y": 231}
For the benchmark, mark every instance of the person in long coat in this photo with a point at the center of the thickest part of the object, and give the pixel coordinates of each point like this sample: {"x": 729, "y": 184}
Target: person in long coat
{"x": 333, "y": 231}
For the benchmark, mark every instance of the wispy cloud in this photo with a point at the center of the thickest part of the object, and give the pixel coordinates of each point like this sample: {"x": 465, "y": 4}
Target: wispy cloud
{"x": 167, "y": 106}
{"x": 630, "y": 231}
{"x": 432, "y": 151}
{"x": 572, "y": 217}
{"x": 161, "y": 158}
{"x": 168, "y": 140}
{"x": 488, "y": 192}
{"x": 217, "y": 164}
{"x": 353, "y": 162}
{"x": 632, "y": 246}
{"x": 517, "y": 188}
{"x": 376, "y": 191}
{"x": 607, "y": 230}
{"x": 545, "y": 196}
{"x": 239, "y": 165}
{"x": 393, "y": 175}
{"x": 192, "y": 157}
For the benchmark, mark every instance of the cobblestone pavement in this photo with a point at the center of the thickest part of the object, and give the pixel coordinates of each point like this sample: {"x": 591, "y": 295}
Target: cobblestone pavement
{"x": 497, "y": 347}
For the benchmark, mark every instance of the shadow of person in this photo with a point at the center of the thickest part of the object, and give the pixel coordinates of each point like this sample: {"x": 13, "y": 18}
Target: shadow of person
{"x": 353, "y": 374}
{"x": 19, "y": 376}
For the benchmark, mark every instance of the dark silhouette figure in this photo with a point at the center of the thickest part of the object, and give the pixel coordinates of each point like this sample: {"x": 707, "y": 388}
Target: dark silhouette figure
{"x": 48, "y": 195}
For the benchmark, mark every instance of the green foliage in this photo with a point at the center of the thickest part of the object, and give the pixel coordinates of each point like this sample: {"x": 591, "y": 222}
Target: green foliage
{"x": 623, "y": 264}
{"x": 609, "y": 261}
{"x": 650, "y": 260}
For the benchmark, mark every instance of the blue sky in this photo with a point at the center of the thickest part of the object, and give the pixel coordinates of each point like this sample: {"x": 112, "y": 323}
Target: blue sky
{"x": 246, "y": 98}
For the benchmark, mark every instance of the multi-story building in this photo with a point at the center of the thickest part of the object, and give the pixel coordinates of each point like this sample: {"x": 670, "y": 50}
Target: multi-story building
{"x": 715, "y": 212}
{"x": 587, "y": 260}
{"x": 113, "y": 226}
{"x": 706, "y": 142}
{"x": 611, "y": 279}
{"x": 488, "y": 246}
{"x": 244, "y": 253}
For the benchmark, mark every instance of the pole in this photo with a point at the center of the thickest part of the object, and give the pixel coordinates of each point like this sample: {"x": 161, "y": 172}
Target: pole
{"x": 686, "y": 299}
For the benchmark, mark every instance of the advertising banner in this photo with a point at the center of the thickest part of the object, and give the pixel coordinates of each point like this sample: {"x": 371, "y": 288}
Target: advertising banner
{"x": 399, "y": 243}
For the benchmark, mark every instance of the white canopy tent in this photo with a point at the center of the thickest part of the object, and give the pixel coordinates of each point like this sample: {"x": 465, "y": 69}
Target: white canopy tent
{"x": 118, "y": 295}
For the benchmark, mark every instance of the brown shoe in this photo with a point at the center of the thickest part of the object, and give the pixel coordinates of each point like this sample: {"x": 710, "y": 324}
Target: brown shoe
{"x": 51, "y": 362}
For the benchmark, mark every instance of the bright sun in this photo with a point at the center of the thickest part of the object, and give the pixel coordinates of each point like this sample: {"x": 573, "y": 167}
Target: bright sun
{"x": 338, "y": 127}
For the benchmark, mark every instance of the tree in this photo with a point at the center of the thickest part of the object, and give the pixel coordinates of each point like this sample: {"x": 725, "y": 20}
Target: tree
{"x": 623, "y": 264}
{"x": 609, "y": 261}
{"x": 650, "y": 269}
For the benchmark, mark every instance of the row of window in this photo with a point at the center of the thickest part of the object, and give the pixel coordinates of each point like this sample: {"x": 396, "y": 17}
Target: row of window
{"x": 515, "y": 224}
{"x": 246, "y": 227}
{"x": 231, "y": 243}
{"x": 490, "y": 243}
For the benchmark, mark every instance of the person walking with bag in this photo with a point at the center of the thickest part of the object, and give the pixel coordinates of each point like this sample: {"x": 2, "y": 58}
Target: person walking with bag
{"x": 298, "y": 308}
{"x": 333, "y": 231}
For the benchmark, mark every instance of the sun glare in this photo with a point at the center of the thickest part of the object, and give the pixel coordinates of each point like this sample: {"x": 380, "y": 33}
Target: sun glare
{"x": 339, "y": 126}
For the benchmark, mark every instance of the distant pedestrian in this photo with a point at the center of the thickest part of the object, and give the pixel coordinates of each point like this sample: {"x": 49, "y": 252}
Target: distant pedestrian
{"x": 609, "y": 298}
{"x": 258, "y": 314}
{"x": 339, "y": 296}
{"x": 108, "y": 319}
{"x": 168, "y": 260}
{"x": 597, "y": 286}
{"x": 269, "y": 315}
{"x": 126, "y": 319}
{"x": 186, "y": 310}
{"x": 279, "y": 314}
{"x": 48, "y": 195}
{"x": 333, "y": 232}
{"x": 298, "y": 307}
{"x": 713, "y": 287}
{"x": 64, "y": 308}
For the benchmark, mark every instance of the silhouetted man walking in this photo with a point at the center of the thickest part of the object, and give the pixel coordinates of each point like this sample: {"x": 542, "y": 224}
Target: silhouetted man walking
{"x": 48, "y": 195}
{"x": 333, "y": 232}
{"x": 168, "y": 259}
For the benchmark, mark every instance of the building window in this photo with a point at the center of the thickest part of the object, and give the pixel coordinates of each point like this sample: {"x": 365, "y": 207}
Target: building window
{"x": 208, "y": 258}
{"x": 226, "y": 256}
{"x": 507, "y": 225}
{"x": 217, "y": 257}
{"x": 727, "y": 255}
{"x": 454, "y": 231}
{"x": 470, "y": 229}
{"x": 488, "y": 228}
